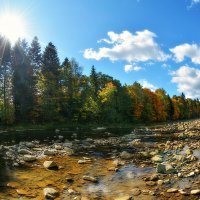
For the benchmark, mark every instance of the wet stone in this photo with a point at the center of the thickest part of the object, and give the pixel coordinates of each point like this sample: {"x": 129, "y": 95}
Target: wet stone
{"x": 195, "y": 192}
{"x": 90, "y": 178}
{"x": 50, "y": 193}
{"x": 50, "y": 165}
{"x": 13, "y": 184}
{"x": 136, "y": 191}
{"x": 29, "y": 158}
{"x": 126, "y": 197}
{"x": 172, "y": 190}
{"x": 150, "y": 183}
{"x": 22, "y": 192}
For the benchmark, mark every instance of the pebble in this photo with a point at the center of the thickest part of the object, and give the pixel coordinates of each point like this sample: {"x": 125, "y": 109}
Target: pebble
{"x": 172, "y": 190}
{"x": 136, "y": 191}
{"x": 90, "y": 178}
{"x": 50, "y": 193}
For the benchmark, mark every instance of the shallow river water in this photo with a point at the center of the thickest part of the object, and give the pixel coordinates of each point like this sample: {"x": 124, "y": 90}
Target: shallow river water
{"x": 29, "y": 180}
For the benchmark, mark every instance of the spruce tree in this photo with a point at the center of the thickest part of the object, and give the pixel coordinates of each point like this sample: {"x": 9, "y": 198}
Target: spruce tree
{"x": 23, "y": 82}
{"x": 35, "y": 55}
{"x": 51, "y": 79}
{"x": 94, "y": 82}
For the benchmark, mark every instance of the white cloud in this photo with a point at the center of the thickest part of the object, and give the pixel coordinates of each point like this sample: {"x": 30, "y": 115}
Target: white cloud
{"x": 129, "y": 68}
{"x": 191, "y": 51}
{"x": 146, "y": 84}
{"x": 138, "y": 47}
{"x": 193, "y": 2}
{"x": 188, "y": 81}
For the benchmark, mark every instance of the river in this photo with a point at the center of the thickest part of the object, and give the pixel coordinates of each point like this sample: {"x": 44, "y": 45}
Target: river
{"x": 119, "y": 159}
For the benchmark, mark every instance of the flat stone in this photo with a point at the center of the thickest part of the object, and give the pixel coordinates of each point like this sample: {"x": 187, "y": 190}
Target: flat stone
{"x": 49, "y": 152}
{"x": 172, "y": 190}
{"x": 58, "y": 147}
{"x": 24, "y": 151}
{"x": 150, "y": 183}
{"x": 146, "y": 192}
{"x": 126, "y": 197}
{"x": 22, "y": 192}
{"x": 197, "y": 191}
{"x": 84, "y": 161}
{"x": 90, "y": 178}
{"x": 191, "y": 174}
{"x": 182, "y": 192}
{"x": 13, "y": 184}
{"x": 115, "y": 169}
{"x": 29, "y": 158}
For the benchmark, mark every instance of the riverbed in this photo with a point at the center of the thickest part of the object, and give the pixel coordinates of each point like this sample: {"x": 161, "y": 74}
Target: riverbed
{"x": 120, "y": 163}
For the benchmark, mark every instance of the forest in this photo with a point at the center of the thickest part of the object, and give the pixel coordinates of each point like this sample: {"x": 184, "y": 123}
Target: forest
{"x": 35, "y": 87}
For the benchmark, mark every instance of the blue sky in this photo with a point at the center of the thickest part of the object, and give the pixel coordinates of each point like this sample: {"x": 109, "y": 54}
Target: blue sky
{"x": 151, "y": 41}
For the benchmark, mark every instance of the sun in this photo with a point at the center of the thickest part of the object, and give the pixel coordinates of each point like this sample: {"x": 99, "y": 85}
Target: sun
{"x": 12, "y": 26}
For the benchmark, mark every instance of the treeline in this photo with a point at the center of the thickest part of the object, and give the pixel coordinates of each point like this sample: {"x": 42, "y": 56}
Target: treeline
{"x": 36, "y": 88}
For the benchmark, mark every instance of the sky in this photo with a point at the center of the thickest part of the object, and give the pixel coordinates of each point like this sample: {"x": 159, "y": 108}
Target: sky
{"x": 154, "y": 42}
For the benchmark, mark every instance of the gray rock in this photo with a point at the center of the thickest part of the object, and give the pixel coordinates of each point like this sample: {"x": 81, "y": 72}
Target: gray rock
{"x": 50, "y": 193}
{"x": 24, "y": 151}
{"x": 29, "y": 158}
{"x": 49, "y": 152}
{"x": 30, "y": 144}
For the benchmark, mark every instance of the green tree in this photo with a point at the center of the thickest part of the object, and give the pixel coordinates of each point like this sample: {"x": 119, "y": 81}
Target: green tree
{"x": 50, "y": 84}
{"x": 94, "y": 82}
{"x": 5, "y": 81}
{"x": 23, "y": 82}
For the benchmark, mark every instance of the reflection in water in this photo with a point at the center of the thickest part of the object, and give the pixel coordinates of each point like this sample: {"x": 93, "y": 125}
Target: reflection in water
{"x": 127, "y": 177}
{"x": 5, "y": 173}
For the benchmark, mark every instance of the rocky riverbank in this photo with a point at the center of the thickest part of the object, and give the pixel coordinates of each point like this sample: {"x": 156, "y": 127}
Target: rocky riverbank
{"x": 155, "y": 162}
